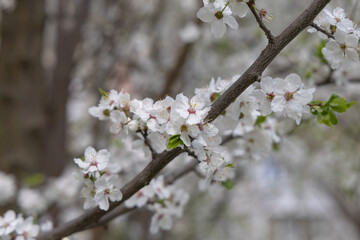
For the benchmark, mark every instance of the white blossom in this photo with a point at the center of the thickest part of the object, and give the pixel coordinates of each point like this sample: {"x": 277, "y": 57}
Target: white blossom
{"x": 291, "y": 99}
{"x": 343, "y": 51}
{"x": 106, "y": 190}
{"x": 94, "y": 161}
{"x": 217, "y": 18}
{"x": 26, "y": 230}
{"x": 8, "y": 223}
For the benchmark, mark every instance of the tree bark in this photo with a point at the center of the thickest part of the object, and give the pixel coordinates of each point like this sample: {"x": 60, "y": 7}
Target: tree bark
{"x": 22, "y": 87}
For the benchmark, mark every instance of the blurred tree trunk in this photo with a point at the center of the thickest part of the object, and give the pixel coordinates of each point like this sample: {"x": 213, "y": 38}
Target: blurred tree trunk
{"x": 22, "y": 93}
{"x": 69, "y": 32}
{"x": 33, "y": 108}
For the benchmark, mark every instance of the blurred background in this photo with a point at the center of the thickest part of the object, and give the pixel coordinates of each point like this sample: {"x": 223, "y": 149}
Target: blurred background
{"x": 55, "y": 54}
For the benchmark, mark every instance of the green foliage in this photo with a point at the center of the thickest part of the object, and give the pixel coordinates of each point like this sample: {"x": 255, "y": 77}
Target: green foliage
{"x": 34, "y": 180}
{"x": 324, "y": 111}
{"x": 174, "y": 141}
{"x": 103, "y": 93}
{"x": 228, "y": 184}
{"x": 230, "y": 165}
{"x": 318, "y": 53}
{"x": 260, "y": 120}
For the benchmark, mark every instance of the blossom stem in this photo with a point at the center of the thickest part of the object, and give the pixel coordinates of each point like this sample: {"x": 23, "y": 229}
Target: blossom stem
{"x": 254, "y": 10}
{"x": 225, "y": 6}
{"x": 329, "y": 35}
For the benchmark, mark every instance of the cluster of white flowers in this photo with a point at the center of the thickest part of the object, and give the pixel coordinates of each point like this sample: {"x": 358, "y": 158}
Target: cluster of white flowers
{"x": 182, "y": 119}
{"x": 101, "y": 186}
{"x": 286, "y": 96}
{"x": 342, "y": 51}
{"x": 166, "y": 201}
{"x": 16, "y": 227}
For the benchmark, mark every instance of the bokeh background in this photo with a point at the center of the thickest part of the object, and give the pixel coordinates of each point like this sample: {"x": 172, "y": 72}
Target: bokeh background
{"x": 55, "y": 54}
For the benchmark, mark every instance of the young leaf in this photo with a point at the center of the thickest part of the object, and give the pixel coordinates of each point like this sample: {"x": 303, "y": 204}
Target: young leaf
{"x": 228, "y": 184}
{"x": 260, "y": 120}
{"x": 174, "y": 141}
{"x": 103, "y": 93}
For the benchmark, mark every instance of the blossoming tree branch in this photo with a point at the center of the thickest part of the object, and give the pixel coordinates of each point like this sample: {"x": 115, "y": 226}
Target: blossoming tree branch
{"x": 244, "y": 108}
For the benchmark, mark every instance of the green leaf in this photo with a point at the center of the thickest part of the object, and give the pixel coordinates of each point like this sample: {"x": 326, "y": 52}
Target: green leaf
{"x": 228, "y": 184}
{"x": 230, "y": 165}
{"x": 332, "y": 118}
{"x": 340, "y": 105}
{"x": 103, "y": 93}
{"x": 174, "y": 141}
{"x": 34, "y": 180}
{"x": 260, "y": 120}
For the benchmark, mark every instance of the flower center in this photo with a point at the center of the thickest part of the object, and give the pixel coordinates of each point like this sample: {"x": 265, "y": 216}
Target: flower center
{"x": 183, "y": 128}
{"x": 191, "y": 110}
{"x": 288, "y": 96}
{"x": 270, "y": 96}
{"x": 107, "y": 191}
{"x": 332, "y": 29}
{"x": 343, "y": 47}
{"x": 94, "y": 163}
{"x": 106, "y": 112}
{"x": 219, "y": 15}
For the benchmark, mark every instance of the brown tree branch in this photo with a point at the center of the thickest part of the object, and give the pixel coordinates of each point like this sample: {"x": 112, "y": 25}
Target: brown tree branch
{"x": 270, "y": 37}
{"x": 252, "y": 74}
{"x": 329, "y": 35}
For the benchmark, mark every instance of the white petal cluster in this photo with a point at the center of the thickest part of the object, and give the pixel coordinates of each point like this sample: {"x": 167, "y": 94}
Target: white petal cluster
{"x": 166, "y": 202}
{"x": 285, "y": 96}
{"x": 18, "y": 228}
{"x": 219, "y": 14}
{"x": 183, "y": 118}
{"x": 342, "y": 51}
{"x": 101, "y": 186}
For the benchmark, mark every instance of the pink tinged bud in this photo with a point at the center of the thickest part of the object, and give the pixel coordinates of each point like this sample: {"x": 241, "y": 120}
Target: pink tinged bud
{"x": 200, "y": 126}
{"x": 111, "y": 102}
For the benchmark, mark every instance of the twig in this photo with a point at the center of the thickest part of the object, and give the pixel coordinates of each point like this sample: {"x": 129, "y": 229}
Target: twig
{"x": 147, "y": 143}
{"x": 329, "y": 35}
{"x": 251, "y": 5}
{"x": 154, "y": 167}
